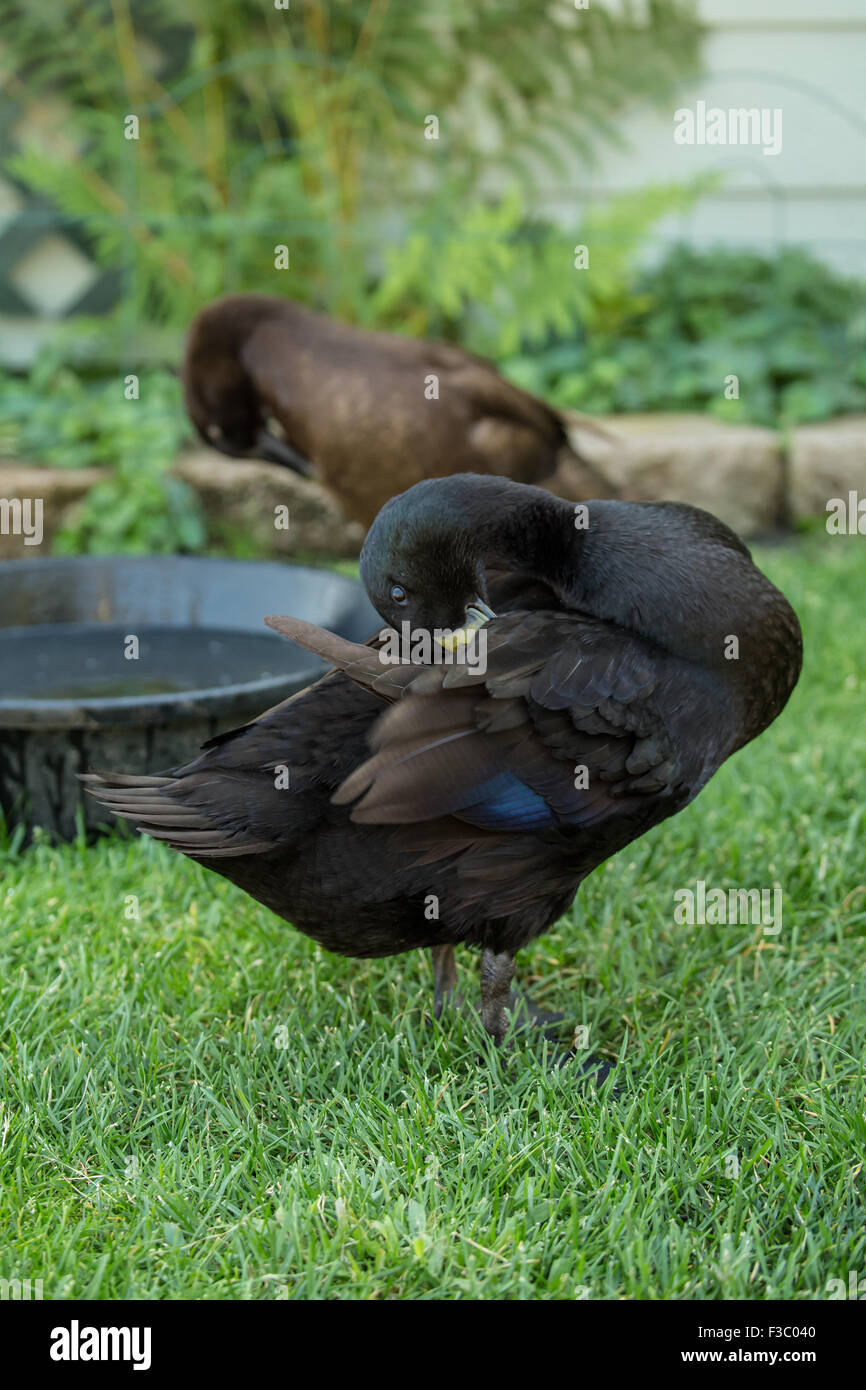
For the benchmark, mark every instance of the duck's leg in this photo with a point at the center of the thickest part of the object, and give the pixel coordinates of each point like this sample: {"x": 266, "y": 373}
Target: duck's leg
{"x": 500, "y": 1003}
{"x": 444, "y": 977}
{"x": 497, "y": 969}
{"x": 497, "y": 999}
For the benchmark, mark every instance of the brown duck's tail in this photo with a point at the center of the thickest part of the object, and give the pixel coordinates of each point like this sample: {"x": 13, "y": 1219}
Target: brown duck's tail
{"x": 577, "y": 424}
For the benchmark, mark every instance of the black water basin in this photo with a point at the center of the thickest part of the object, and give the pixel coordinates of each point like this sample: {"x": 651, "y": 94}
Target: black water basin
{"x": 83, "y": 662}
{"x": 131, "y": 663}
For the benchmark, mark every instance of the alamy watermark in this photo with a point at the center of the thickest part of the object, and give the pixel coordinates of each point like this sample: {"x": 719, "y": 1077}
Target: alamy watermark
{"x": 434, "y": 647}
{"x": 22, "y": 516}
{"x": 846, "y": 516}
{"x": 855, "y": 1288}
{"x": 738, "y": 125}
{"x": 20, "y": 1290}
{"x": 77, "y": 1343}
{"x": 747, "y": 907}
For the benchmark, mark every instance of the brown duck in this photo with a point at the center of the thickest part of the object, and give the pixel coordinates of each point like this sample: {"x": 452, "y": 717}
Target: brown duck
{"x": 369, "y": 413}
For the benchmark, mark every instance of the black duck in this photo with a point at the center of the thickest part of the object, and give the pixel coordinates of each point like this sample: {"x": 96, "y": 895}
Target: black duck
{"x": 434, "y": 805}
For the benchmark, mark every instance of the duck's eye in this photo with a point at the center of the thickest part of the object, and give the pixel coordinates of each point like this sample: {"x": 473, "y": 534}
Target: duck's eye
{"x": 398, "y": 593}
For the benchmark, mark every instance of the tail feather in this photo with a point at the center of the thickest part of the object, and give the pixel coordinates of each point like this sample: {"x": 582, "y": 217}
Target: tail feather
{"x": 147, "y": 803}
{"x": 123, "y": 779}
{"x": 576, "y": 423}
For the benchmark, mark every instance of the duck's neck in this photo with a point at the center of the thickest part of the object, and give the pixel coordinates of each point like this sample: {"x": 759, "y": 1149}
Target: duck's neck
{"x": 534, "y": 533}
{"x": 672, "y": 574}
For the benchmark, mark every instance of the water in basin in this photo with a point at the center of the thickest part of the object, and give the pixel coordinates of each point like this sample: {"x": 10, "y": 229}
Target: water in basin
{"x": 79, "y": 661}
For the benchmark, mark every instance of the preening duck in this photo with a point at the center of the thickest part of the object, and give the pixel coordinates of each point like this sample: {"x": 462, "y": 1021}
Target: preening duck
{"x": 370, "y": 413}
{"x": 634, "y": 647}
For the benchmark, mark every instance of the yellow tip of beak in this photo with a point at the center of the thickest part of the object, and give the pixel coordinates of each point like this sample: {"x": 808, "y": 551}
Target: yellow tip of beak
{"x": 477, "y": 614}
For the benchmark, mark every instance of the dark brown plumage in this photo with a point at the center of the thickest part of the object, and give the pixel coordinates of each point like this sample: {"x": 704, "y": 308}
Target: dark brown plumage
{"x": 438, "y": 804}
{"x": 265, "y": 377}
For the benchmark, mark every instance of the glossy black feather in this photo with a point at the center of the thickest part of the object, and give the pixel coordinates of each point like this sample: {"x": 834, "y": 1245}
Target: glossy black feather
{"x": 436, "y": 804}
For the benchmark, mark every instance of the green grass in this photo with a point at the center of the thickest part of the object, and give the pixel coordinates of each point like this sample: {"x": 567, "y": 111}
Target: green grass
{"x": 159, "y": 1142}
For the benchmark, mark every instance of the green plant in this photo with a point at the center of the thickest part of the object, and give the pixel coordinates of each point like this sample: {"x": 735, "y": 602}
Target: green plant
{"x": 60, "y": 418}
{"x": 306, "y": 126}
{"x": 501, "y": 280}
{"x": 790, "y": 329}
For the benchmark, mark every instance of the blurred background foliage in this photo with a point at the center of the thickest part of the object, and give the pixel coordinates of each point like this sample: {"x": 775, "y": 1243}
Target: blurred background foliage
{"x": 788, "y": 325}
{"x": 305, "y": 127}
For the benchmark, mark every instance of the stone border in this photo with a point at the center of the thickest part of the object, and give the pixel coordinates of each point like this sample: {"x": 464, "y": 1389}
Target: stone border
{"x": 751, "y": 477}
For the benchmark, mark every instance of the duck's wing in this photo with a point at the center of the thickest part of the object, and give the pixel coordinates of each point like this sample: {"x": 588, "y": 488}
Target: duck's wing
{"x": 573, "y": 721}
{"x": 495, "y": 395}
{"x": 513, "y": 431}
{"x": 503, "y": 415}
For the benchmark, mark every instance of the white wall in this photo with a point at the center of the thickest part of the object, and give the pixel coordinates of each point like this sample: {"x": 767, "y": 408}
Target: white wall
{"x": 807, "y": 57}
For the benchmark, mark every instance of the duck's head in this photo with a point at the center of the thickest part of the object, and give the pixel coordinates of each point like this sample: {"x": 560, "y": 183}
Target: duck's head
{"x": 230, "y": 423}
{"x": 222, "y": 399}
{"x": 423, "y": 559}
{"x": 234, "y": 421}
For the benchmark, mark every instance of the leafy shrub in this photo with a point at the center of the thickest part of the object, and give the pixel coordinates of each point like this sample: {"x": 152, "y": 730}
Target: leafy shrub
{"x": 306, "y": 125}
{"x": 499, "y": 280}
{"x": 60, "y": 418}
{"x": 791, "y": 330}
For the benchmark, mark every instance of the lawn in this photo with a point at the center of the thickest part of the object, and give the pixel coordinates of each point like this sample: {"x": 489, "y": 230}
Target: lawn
{"x": 199, "y": 1103}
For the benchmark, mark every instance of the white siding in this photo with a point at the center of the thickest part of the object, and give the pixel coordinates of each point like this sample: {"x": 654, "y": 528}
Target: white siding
{"x": 809, "y": 60}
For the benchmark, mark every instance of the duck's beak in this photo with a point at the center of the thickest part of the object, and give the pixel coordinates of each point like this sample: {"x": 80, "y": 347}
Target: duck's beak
{"x": 477, "y": 614}
{"x": 275, "y": 450}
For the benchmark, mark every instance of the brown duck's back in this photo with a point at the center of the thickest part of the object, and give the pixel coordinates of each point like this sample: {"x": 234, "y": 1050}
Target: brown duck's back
{"x": 356, "y": 403}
